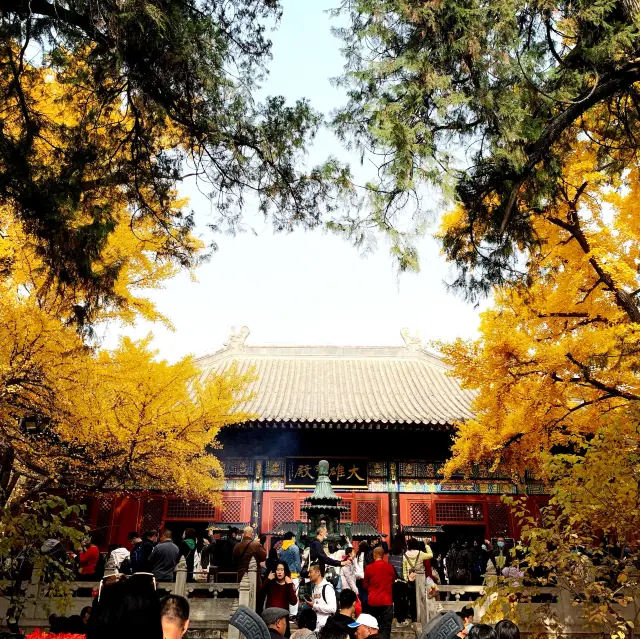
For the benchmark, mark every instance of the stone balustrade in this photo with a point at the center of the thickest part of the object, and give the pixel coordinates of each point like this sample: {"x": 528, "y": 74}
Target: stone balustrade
{"x": 541, "y": 610}
{"x": 211, "y": 604}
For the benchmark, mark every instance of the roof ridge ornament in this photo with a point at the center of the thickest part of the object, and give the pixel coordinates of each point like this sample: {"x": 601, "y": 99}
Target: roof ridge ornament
{"x": 237, "y": 338}
{"x": 412, "y": 342}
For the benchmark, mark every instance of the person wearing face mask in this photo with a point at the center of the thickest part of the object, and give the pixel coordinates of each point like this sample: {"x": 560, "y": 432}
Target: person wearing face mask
{"x": 501, "y": 557}
{"x": 318, "y": 554}
{"x": 466, "y": 614}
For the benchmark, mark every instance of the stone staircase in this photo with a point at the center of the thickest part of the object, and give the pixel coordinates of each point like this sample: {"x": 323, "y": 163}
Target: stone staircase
{"x": 404, "y": 632}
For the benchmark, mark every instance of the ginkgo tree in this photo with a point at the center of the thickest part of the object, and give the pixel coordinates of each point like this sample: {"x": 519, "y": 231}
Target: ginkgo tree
{"x": 557, "y": 354}
{"x": 90, "y": 221}
{"x": 556, "y": 372}
{"x": 76, "y": 417}
{"x": 122, "y": 420}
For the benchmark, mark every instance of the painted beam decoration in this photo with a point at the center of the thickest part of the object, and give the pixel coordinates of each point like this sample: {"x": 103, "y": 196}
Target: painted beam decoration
{"x": 344, "y": 472}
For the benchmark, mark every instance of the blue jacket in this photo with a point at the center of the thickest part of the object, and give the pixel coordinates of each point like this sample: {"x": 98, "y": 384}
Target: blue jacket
{"x": 292, "y": 556}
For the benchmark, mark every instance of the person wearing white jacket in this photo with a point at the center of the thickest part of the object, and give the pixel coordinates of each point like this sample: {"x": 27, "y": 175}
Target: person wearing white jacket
{"x": 323, "y": 600}
{"x": 358, "y": 563}
{"x": 118, "y": 555}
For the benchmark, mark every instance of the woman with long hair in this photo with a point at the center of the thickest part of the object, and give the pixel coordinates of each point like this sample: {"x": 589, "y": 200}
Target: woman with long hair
{"x": 359, "y": 564}
{"x": 127, "y": 607}
{"x": 277, "y": 590}
{"x": 412, "y": 558}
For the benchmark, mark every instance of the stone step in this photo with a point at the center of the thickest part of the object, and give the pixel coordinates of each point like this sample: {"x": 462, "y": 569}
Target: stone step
{"x": 403, "y": 632}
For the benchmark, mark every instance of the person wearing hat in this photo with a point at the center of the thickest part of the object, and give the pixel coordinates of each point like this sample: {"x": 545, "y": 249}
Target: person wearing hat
{"x": 365, "y": 625}
{"x": 276, "y": 620}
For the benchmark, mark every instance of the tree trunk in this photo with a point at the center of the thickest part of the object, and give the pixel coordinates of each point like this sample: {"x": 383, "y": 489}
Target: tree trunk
{"x": 632, "y": 9}
{"x": 6, "y": 467}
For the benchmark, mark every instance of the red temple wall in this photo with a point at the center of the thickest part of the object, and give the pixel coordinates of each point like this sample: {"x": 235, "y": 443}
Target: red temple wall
{"x": 115, "y": 516}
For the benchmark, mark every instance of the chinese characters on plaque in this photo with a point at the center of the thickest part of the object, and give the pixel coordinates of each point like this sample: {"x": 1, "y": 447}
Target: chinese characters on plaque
{"x": 302, "y": 472}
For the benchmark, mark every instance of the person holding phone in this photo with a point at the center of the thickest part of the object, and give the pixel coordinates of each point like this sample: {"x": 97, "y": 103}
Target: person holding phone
{"x": 277, "y": 590}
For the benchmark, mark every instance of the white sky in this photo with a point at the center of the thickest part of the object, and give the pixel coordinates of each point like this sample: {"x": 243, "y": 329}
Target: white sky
{"x": 304, "y": 287}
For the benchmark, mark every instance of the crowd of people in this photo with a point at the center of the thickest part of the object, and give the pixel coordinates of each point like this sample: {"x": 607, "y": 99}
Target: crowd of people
{"x": 142, "y": 553}
{"x": 327, "y": 589}
{"x": 463, "y": 564}
{"x": 344, "y": 625}
{"x": 372, "y": 581}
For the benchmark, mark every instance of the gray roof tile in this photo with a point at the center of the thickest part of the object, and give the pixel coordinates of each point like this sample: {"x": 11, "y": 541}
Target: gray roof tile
{"x": 389, "y": 385}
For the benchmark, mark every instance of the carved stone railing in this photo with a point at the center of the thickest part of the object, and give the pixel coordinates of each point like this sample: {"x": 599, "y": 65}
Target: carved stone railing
{"x": 541, "y": 609}
{"x": 211, "y": 604}
{"x": 246, "y": 596}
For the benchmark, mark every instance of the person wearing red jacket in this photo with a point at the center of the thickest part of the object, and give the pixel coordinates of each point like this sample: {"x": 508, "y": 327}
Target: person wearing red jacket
{"x": 378, "y": 582}
{"x": 88, "y": 557}
{"x": 277, "y": 590}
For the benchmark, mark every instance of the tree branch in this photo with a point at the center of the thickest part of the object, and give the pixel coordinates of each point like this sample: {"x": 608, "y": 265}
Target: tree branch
{"x": 613, "y": 391}
{"x": 623, "y": 299}
{"x": 24, "y": 8}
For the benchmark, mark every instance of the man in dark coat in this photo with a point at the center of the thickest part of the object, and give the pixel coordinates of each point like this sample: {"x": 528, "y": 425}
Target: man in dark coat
{"x": 246, "y": 549}
{"x": 149, "y": 541}
{"x": 317, "y": 553}
{"x": 223, "y": 551}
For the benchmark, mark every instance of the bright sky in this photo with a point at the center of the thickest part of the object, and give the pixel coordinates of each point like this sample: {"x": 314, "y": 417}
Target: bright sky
{"x": 304, "y": 287}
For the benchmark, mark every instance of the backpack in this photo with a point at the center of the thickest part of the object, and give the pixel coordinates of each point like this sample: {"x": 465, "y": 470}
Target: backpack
{"x": 412, "y": 567}
{"x": 125, "y": 567}
{"x": 332, "y": 576}
{"x": 306, "y": 589}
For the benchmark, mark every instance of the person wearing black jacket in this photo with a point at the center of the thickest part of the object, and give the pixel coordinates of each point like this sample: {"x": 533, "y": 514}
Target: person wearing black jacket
{"x": 346, "y": 613}
{"x": 317, "y": 553}
{"x": 208, "y": 549}
{"x": 149, "y": 541}
{"x": 222, "y": 555}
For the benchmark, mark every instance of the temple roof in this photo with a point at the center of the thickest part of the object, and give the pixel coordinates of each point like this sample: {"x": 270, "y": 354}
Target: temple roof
{"x": 345, "y": 384}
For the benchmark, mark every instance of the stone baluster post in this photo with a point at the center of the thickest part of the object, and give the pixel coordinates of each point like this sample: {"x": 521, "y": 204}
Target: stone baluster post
{"x": 421, "y": 594}
{"x": 244, "y": 599}
{"x": 568, "y": 612}
{"x": 481, "y": 609}
{"x": 253, "y": 583}
{"x": 181, "y": 578}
